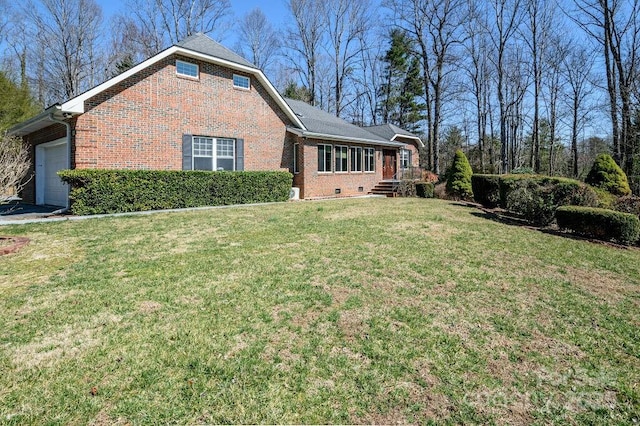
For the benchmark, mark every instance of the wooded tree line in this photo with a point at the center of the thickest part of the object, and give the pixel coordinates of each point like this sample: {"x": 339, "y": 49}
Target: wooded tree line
{"x": 519, "y": 84}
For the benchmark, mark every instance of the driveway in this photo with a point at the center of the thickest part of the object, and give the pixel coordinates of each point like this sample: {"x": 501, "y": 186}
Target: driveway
{"x": 15, "y": 211}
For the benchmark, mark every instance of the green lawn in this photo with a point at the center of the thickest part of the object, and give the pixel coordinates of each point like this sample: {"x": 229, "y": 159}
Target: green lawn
{"x": 350, "y": 311}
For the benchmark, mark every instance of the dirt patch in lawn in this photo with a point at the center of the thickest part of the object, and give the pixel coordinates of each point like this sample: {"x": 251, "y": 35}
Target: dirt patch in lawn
{"x": 10, "y": 245}
{"x": 606, "y": 287}
{"x": 71, "y": 342}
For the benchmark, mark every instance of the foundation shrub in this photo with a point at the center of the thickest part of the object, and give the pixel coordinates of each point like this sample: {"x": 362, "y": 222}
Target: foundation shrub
{"x": 116, "y": 191}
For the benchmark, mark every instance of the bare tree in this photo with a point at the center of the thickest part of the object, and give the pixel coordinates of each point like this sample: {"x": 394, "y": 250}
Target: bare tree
{"x": 258, "y": 41}
{"x": 479, "y": 73}
{"x": 552, "y": 90}
{"x": 538, "y": 25}
{"x": 368, "y": 79}
{"x": 165, "y": 22}
{"x": 436, "y": 27}
{"x": 64, "y": 42}
{"x": 346, "y": 23}
{"x": 14, "y": 166}
{"x": 303, "y": 41}
{"x": 516, "y": 79}
{"x": 577, "y": 66}
{"x": 503, "y": 24}
{"x": 615, "y": 25}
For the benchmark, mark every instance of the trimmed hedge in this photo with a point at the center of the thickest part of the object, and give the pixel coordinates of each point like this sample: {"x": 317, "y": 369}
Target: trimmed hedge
{"x": 536, "y": 198}
{"x": 486, "y": 189}
{"x": 116, "y": 191}
{"x": 424, "y": 189}
{"x": 602, "y": 224}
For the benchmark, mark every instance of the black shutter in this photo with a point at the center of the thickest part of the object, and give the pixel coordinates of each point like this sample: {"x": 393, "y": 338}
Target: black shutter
{"x": 187, "y": 152}
{"x": 239, "y": 154}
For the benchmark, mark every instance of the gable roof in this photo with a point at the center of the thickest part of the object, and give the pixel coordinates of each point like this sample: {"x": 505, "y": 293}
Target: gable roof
{"x": 391, "y": 132}
{"x": 320, "y": 124}
{"x": 203, "y": 44}
{"x": 198, "y": 46}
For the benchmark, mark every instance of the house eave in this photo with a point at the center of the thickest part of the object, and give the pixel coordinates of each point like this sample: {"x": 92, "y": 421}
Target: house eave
{"x": 40, "y": 121}
{"x": 340, "y": 138}
{"x": 409, "y": 137}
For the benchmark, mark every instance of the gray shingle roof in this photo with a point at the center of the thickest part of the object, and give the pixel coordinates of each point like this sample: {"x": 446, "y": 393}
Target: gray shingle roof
{"x": 204, "y": 44}
{"x": 388, "y": 131}
{"x": 322, "y": 122}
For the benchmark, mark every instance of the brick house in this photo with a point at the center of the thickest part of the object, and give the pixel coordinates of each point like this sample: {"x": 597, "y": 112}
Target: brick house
{"x": 199, "y": 106}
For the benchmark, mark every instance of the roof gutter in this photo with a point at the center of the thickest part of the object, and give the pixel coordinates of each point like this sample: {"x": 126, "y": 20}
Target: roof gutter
{"x": 337, "y": 138}
{"x": 44, "y": 115}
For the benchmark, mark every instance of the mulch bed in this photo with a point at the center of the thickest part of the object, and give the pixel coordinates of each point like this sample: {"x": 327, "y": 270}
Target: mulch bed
{"x": 10, "y": 245}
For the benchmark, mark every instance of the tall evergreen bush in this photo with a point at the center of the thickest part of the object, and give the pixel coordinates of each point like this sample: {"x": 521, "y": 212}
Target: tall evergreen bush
{"x": 459, "y": 177}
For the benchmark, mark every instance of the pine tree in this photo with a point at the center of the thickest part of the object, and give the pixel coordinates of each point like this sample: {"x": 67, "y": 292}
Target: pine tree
{"x": 401, "y": 85}
{"x": 16, "y": 103}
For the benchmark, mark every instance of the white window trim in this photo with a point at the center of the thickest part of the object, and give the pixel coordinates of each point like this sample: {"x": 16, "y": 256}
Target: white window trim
{"x": 214, "y": 152}
{"x": 335, "y": 159}
{"x": 241, "y": 87}
{"x": 364, "y": 162}
{"x": 326, "y": 172}
{"x": 403, "y": 152}
{"x": 196, "y": 77}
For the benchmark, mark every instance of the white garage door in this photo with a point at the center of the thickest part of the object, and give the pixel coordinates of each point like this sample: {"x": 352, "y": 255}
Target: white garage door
{"x": 55, "y": 158}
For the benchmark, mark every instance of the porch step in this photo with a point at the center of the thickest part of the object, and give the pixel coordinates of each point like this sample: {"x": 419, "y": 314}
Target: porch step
{"x": 387, "y": 188}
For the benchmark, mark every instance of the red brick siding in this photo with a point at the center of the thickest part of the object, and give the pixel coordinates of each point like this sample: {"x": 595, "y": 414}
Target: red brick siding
{"x": 48, "y": 134}
{"x": 315, "y": 184}
{"x": 139, "y": 123}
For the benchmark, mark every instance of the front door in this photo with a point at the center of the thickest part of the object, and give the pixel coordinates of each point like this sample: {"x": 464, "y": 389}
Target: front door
{"x": 388, "y": 164}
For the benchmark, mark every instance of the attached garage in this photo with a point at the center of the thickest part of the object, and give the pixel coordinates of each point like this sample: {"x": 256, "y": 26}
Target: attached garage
{"x": 50, "y": 158}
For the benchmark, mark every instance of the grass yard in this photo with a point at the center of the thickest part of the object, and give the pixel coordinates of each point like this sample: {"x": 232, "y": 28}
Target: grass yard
{"x": 350, "y": 311}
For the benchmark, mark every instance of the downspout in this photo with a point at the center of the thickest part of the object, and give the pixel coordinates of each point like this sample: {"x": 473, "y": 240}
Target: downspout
{"x": 68, "y": 126}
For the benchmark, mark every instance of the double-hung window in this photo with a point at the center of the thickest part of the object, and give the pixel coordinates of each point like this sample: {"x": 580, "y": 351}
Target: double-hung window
{"x": 213, "y": 153}
{"x": 356, "y": 159}
{"x": 369, "y": 159}
{"x": 324, "y": 158}
{"x": 341, "y": 159}
{"x": 405, "y": 159}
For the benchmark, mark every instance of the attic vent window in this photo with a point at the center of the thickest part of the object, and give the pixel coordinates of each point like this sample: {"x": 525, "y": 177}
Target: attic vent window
{"x": 187, "y": 69}
{"x": 241, "y": 82}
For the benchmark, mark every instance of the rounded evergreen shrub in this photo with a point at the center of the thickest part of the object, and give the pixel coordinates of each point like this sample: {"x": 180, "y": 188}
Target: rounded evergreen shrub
{"x": 459, "y": 177}
{"x": 606, "y": 174}
{"x": 424, "y": 189}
